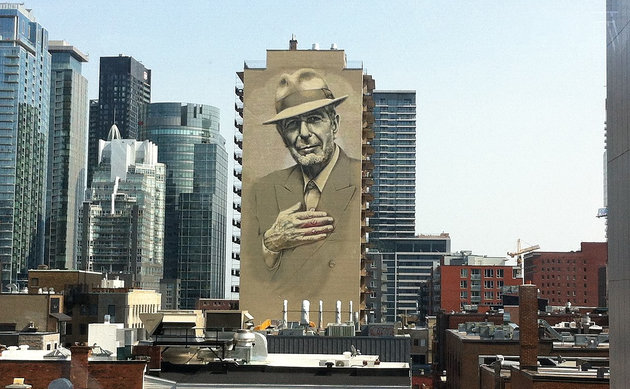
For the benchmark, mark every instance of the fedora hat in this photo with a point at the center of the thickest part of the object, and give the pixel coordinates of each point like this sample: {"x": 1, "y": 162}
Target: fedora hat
{"x": 302, "y": 91}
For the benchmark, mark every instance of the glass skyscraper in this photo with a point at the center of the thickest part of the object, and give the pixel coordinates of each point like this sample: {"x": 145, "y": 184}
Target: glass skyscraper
{"x": 196, "y": 196}
{"x": 124, "y": 91}
{"x": 24, "y": 113}
{"x": 67, "y": 154}
{"x": 394, "y": 159}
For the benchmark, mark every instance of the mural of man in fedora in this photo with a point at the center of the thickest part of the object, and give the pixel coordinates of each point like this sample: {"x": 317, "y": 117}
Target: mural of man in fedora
{"x": 306, "y": 213}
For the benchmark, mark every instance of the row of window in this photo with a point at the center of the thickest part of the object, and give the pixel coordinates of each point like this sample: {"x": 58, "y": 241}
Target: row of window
{"x": 488, "y": 273}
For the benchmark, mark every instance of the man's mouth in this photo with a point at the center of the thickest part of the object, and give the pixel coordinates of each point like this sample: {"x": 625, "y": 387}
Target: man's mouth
{"x": 307, "y": 149}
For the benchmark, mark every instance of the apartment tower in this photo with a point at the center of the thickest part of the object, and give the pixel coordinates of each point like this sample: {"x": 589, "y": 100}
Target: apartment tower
{"x": 67, "y": 154}
{"x": 24, "y": 115}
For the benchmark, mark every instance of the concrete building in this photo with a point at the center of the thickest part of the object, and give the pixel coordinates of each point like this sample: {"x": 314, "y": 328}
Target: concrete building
{"x": 399, "y": 270}
{"x": 576, "y": 277}
{"x": 122, "y": 224}
{"x": 24, "y": 116}
{"x": 193, "y": 151}
{"x": 67, "y": 154}
{"x": 124, "y": 91}
{"x": 394, "y": 159}
{"x": 466, "y": 282}
{"x": 618, "y": 195}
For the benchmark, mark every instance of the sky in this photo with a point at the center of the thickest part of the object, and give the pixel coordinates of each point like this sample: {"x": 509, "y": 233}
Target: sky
{"x": 510, "y": 94}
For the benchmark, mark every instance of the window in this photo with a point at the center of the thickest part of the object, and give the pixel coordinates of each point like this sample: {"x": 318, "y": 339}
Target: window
{"x": 463, "y": 284}
{"x": 488, "y": 295}
{"x": 463, "y": 273}
{"x": 499, "y": 273}
{"x": 488, "y": 273}
{"x": 83, "y": 329}
{"x": 475, "y": 272}
{"x": 463, "y": 294}
{"x": 488, "y": 284}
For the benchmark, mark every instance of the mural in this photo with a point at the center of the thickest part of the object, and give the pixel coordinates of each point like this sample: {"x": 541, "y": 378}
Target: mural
{"x": 301, "y": 185}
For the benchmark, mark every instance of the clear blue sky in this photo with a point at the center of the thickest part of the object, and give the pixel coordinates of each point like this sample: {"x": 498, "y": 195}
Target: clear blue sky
{"x": 510, "y": 94}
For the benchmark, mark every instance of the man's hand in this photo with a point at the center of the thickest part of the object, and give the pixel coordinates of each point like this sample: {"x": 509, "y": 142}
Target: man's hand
{"x": 294, "y": 228}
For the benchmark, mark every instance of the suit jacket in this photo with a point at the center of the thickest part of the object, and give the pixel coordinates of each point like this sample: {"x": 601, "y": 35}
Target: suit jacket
{"x": 324, "y": 270}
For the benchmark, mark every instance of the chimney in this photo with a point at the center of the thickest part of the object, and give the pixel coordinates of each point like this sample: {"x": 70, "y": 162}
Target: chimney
{"x": 528, "y": 326}
{"x": 293, "y": 43}
{"x": 79, "y": 366}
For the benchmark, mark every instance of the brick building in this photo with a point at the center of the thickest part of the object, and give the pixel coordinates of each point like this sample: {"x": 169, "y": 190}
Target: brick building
{"x": 463, "y": 349}
{"x": 466, "y": 282}
{"x": 576, "y": 277}
{"x": 83, "y": 371}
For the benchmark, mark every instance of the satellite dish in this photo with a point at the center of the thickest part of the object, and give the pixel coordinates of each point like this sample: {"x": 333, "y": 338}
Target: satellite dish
{"x": 61, "y": 383}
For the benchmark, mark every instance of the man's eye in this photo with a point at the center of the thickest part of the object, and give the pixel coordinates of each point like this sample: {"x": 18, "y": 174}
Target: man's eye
{"x": 313, "y": 119}
{"x": 290, "y": 124}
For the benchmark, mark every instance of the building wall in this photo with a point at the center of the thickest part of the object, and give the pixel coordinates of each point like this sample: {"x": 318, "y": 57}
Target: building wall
{"x": 618, "y": 168}
{"x": 479, "y": 286}
{"x": 67, "y": 154}
{"x": 394, "y": 160}
{"x": 333, "y": 271}
{"x": 406, "y": 266}
{"x": 101, "y": 375}
{"x": 124, "y": 91}
{"x": 22, "y": 309}
{"x": 182, "y": 131}
{"x": 68, "y": 281}
{"x": 462, "y": 356}
{"x": 25, "y": 98}
{"x": 122, "y": 226}
{"x": 569, "y": 276}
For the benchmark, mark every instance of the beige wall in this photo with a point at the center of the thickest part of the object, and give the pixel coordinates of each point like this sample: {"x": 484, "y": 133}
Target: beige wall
{"x": 22, "y": 309}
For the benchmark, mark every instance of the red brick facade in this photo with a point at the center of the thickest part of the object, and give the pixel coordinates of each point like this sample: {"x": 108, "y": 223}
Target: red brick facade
{"x": 83, "y": 374}
{"x": 461, "y": 285}
{"x": 578, "y": 277}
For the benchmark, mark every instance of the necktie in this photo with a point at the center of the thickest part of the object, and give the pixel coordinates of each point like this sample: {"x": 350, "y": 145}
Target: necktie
{"x": 311, "y": 195}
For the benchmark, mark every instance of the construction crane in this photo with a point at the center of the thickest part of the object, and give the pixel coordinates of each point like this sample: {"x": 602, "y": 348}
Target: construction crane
{"x": 519, "y": 254}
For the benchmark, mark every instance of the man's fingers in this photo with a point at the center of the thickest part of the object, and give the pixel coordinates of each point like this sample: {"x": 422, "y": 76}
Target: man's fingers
{"x": 315, "y": 230}
{"x": 312, "y": 238}
{"x": 318, "y": 221}
{"x": 310, "y": 214}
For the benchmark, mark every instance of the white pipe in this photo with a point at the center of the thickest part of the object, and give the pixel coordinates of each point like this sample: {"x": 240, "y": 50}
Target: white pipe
{"x": 350, "y": 310}
{"x": 285, "y": 312}
{"x": 338, "y": 312}
{"x": 321, "y": 314}
{"x": 305, "y": 308}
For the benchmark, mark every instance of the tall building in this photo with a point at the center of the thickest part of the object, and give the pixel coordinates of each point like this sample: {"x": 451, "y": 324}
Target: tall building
{"x": 24, "y": 115}
{"x": 194, "y": 153}
{"x": 306, "y": 126}
{"x": 394, "y": 159}
{"x": 122, "y": 224}
{"x": 618, "y": 169}
{"x": 67, "y": 154}
{"x": 398, "y": 270}
{"x": 576, "y": 277}
{"x": 124, "y": 90}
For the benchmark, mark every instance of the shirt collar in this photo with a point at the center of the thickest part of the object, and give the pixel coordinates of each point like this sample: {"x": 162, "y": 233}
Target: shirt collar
{"x": 322, "y": 177}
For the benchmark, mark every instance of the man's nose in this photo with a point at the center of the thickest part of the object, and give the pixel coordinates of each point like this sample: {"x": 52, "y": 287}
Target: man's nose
{"x": 304, "y": 131}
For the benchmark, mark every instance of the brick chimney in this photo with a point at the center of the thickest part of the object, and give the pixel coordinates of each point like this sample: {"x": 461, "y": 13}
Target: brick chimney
{"x": 528, "y": 326}
{"x": 79, "y": 366}
{"x": 293, "y": 43}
